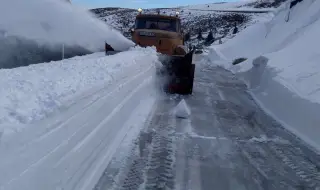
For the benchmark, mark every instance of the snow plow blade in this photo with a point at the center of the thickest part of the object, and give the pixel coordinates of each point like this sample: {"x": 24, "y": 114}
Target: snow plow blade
{"x": 179, "y": 71}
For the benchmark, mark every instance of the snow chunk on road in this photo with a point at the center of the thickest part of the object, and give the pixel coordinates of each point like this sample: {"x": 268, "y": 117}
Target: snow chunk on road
{"x": 31, "y": 93}
{"x": 58, "y": 22}
{"x": 182, "y": 110}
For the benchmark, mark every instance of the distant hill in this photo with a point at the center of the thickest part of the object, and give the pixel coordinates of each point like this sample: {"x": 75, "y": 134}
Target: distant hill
{"x": 195, "y": 18}
{"x": 265, "y": 4}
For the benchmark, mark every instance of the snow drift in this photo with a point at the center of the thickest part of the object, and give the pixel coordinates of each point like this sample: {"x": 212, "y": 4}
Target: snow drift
{"x": 44, "y": 25}
{"x": 286, "y": 80}
{"x": 31, "y": 93}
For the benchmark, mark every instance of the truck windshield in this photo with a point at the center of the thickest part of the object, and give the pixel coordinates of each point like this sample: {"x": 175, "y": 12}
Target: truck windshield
{"x": 158, "y": 24}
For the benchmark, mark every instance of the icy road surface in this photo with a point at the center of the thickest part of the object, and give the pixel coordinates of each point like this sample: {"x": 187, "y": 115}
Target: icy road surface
{"x": 227, "y": 143}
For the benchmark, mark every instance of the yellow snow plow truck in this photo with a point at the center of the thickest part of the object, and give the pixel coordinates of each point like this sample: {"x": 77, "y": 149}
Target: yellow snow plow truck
{"x": 164, "y": 32}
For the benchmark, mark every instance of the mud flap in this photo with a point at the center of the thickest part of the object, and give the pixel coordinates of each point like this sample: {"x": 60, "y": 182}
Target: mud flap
{"x": 192, "y": 71}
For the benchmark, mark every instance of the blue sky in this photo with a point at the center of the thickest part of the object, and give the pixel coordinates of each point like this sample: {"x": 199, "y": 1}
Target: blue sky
{"x": 141, "y": 3}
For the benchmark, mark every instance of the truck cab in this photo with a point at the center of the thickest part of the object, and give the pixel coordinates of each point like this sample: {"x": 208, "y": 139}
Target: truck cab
{"x": 162, "y": 31}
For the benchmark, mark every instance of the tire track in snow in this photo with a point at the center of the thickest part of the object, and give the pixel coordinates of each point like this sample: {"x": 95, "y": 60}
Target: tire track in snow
{"x": 93, "y": 132}
{"x": 101, "y": 148}
{"x": 153, "y": 169}
{"x": 129, "y": 171}
{"x": 119, "y": 88}
{"x": 194, "y": 173}
{"x": 161, "y": 162}
{"x": 181, "y": 166}
{"x": 187, "y": 175}
{"x": 84, "y": 134}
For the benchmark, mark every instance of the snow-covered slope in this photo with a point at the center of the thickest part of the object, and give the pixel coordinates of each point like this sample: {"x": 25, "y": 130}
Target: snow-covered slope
{"x": 287, "y": 85}
{"x": 193, "y": 19}
{"x": 258, "y": 4}
{"x": 249, "y": 5}
{"x": 219, "y": 5}
{"x": 31, "y": 93}
{"x": 35, "y": 27}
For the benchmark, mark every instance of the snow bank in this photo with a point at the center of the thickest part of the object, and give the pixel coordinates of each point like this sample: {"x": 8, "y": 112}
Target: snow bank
{"x": 31, "y": 93}
{"x": 57, "y": 22}
{"x": 287, "y": 84}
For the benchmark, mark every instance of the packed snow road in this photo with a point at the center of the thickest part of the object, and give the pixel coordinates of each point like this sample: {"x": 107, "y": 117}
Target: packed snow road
{"x": 227, "y": 143}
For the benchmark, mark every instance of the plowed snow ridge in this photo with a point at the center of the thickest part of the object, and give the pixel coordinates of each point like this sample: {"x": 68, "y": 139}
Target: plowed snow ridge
{"x": 29, "y": 94}
{"x": 287, "y": 84}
